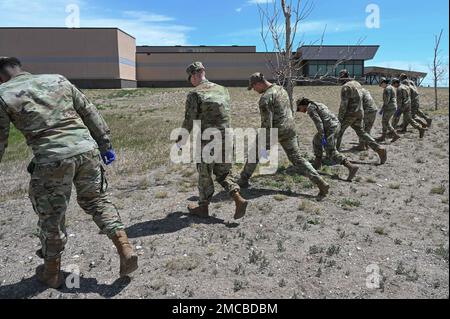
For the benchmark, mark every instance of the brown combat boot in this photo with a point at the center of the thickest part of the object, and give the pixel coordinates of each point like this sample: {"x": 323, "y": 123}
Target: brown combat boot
{"x": 429, "y": 122}
{"x": 199, "y": 211}
{"x": 382, "y": 138}
{"x": 382, "y": 153}
{"x": 128, "y": 258}
{"x": 324, "y": 187}
{"x": 361, "y": 147}
{"x": 422, "y": 132}
{"x": 317, "y": 164}
{"x": 241, "y": 205}
{"x": 395, "y": 138}
{"x": 352, "y": 170}
{"x": 50, "y": 273}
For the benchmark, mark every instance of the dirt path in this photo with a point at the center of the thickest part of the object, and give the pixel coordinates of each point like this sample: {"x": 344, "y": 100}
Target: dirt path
{"x": 394, "y": 220}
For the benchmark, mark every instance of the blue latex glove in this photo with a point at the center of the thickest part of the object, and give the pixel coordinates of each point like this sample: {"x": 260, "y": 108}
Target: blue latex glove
{"x": 381, "y": 112}
{"x": 324, "y": 141}
{"x": 398, "y": 113}
{"x": 108, "y": 157}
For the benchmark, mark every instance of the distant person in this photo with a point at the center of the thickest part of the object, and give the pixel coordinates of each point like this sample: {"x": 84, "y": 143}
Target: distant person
{"x": 388, "y": 110}
{"x": 416, "y": 112}
{"x": 210, "y": 103}
{"x": 69, "y": 139}
{"x": 276, "y": 112}
{"x": 370, "y": 115}
{"x": 328, "y": 127}
{"x": 351, "y": 114}
{"x": 404, "y": 107}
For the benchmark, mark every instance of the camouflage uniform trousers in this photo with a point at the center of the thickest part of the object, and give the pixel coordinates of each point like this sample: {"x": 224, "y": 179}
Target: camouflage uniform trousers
{"x": 356, "y": 122}
{"x": 416, "y": 112}
{"x": 50, "y": 192}
{"x": 369, "y": 121}
{"x": 407, "y": 119}
{"x": 292, "y": 149}
{"x": 330, "y": 148}
{"x": 222, "y": 172}
{"x": 386, "y": 121}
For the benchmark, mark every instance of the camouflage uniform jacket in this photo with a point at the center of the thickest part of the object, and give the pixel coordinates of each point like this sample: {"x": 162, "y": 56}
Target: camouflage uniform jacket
{"x": 276, "y": 112}
{"x": 324, "y": 120}
{"x": 369, "y": 104}
{"x": 389, "y": 98}
{"x": 57, "y": 120}
{"x": 413, "y": 88}
{"x": 351, "y": 100}
{"x": 209, "y": 103}
{"x": 404, "y": 98}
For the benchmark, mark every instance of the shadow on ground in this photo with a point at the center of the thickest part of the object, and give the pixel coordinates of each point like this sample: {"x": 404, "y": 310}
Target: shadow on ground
{"x": 30, "y": 287}
{"x": 172, "y": 223}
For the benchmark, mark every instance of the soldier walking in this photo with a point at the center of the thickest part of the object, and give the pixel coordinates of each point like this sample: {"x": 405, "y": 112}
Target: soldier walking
{"x": 351, "y": 114}
{"x": 210, "y": 103}
{"x": 69, "y": 138}
{"x": 416, "y": 113}
{"x": 328, "y": 127}
{"x": 276, "y": 113}
{"x": 388, "y": 110}
{"x": 404, "y": 107}
{"x": 370, "y": 114}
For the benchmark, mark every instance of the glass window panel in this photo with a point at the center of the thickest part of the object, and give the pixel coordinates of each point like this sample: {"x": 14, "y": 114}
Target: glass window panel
{"x": 358, "y": 70}
{"x": 312, "y": 69}
{"x": 349, "y": 68}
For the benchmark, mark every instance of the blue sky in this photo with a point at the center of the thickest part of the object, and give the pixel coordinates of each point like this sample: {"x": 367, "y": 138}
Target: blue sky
{"x": 405, "y": 34}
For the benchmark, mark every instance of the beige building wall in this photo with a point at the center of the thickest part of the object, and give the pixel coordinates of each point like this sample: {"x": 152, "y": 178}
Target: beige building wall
{"x": 127, "y": 56}
{"x": 91, "y": 57}
{"x": 170, "y": 67}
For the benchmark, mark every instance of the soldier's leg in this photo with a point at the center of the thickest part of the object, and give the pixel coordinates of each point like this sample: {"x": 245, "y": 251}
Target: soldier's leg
{"x": 304, "y": 167}
{"x": 318, "y": 151}
{"x": 369, "y": 120}
{"x": 396, "y": 120}
{"x": 91, "y": 185}
{"x": 205, "y": 183}
{"x": 50, "y": 190}
{"x": 357, "y": 126}
{"x": 330, "y": 148}
{"x": 408, "y": 119}
{"x": 222, "y": 171}
{"x": 346, "y": 123}
{"x": 387, "y": 125}
{"x": 249, "y": 168}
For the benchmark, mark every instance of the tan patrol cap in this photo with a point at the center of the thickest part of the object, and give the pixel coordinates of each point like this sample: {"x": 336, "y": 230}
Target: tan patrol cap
{"x": 194, "y": 67}
{"x": 255, "y": 78}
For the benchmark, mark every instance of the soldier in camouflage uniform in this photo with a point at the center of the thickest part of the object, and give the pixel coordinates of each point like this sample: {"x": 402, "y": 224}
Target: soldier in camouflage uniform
{"x": 67, "y": 136}
{"x": 416, "y": 113}
{"x": 276, "y": 113}
{"x": 210, "y": 103}
{"x": 328, "y": 128}
{"x": 370, "y": 114}
{"x": 404, "y": 107}
{"x": 388, "y": 110}
{"x": 351, "y": 114}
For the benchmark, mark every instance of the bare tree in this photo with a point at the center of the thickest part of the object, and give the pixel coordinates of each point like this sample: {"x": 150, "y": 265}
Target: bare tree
{"x": 283, "y": 35}
{"x": 280, "y": 23}
{"x": 438, "y": 68}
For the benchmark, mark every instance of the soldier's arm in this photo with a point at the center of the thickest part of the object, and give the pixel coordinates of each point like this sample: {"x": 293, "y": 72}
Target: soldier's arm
{"x": 345, "y": 98}
{"x": 4, "y": 129}
{"x": 266, "y": 113}
{"x": 314, "y": 115}
{"x": 191, "y": 112}
{"x": 92, "y": 119}
{"x": 386, "y": 98}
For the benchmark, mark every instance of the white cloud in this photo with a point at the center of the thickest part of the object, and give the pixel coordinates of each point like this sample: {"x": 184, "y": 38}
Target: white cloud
{"x": 259, "y": 1}
{"x": 238, "y": 10}
{"x": 149, "y": 28}
{"x": 147, "y": 17}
